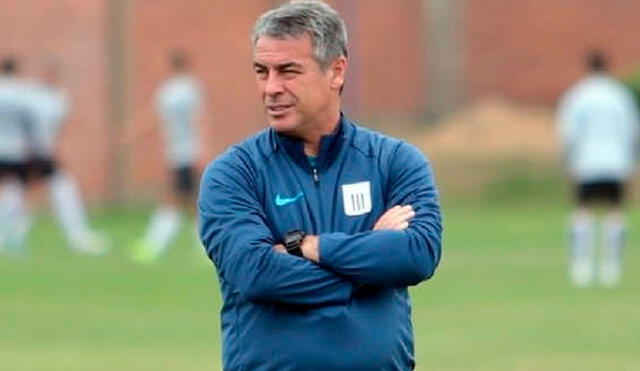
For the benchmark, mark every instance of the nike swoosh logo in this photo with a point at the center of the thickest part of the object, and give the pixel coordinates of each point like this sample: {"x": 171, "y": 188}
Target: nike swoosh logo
{"x": 281, "y": 201}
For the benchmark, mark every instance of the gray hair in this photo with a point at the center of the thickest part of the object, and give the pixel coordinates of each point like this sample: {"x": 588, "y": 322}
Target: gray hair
{"x": 317, "y": 19}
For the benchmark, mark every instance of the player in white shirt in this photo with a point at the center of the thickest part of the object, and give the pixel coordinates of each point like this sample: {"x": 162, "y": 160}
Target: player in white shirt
{"x": 50, "y": 108}
{"x": 178, "y": 102}
{"x": 15, "y": 138}
{"x": 598, "y": 128}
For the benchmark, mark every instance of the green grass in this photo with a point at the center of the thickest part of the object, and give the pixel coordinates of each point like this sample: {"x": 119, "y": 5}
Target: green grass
{"x": 500, "y": 301}
{"x": 61, "y": 311}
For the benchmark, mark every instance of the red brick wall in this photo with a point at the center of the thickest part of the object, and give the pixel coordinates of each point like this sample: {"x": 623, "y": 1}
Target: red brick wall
{"x": 528, "y": 50}
{"x": 216, "y": 36}
{"x": 73, "y": 32}
{"x": 531, "y": 50}
{"x": 387, "y": 44}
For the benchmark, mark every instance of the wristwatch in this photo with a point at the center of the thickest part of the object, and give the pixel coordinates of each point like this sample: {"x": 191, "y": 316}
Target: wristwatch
{"x": 292, "y": 242}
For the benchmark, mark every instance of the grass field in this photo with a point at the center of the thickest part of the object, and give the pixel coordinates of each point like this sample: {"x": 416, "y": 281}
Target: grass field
{"x": 500, "y": 301}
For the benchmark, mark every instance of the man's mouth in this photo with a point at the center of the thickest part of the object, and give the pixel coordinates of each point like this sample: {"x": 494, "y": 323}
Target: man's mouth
{"x": 278, "y": 109}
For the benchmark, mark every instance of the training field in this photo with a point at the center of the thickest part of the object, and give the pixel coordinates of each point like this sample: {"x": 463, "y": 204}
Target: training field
{"x": 499, "y": 302}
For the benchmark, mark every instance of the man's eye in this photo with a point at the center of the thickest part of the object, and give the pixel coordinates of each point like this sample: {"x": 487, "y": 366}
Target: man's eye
{"x": 261, "y": 73}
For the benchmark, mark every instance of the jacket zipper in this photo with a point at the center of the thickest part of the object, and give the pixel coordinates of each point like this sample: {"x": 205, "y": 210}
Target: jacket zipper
{"x": 316, "y": 183}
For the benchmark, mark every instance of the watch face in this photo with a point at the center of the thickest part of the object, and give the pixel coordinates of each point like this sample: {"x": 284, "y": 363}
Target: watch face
{"x": 293, "y": 237}
{"x": 293, "y": 241}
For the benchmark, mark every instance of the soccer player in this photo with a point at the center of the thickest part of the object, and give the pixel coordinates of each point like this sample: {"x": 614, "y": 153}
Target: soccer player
{"x": 15, "y": 150}
{"x": 49, "y": 105}
{"x": 598, "y": 126}
{"x": 178, "y": 104}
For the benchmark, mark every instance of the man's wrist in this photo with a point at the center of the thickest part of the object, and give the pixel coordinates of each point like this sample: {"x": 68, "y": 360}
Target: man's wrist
{"x": 311, "y": 248}
{"x": 292, "y": 242}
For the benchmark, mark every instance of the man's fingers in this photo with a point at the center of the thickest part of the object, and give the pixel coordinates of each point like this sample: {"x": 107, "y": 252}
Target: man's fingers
{"x": 389, "y": 214}
{"x": 387, "y": 219}
{"x": 406, "y": 215}
{"x": 396, "y": 226}
{"x": 396, "y": 212}
{"x": 397, "y": 217}
{"x": 401, "y": 215}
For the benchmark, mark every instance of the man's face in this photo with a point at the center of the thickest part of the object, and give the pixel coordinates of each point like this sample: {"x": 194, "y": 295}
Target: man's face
{"x": 295, "y": 90}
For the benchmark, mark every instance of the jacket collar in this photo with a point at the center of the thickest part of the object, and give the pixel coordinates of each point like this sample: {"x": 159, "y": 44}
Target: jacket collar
{"x": 330, "y": 145}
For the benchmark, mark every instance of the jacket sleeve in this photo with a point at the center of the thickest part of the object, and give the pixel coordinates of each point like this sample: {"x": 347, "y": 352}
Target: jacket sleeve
{"x": 393, "y": 258}
{"x": 238, "y": 241}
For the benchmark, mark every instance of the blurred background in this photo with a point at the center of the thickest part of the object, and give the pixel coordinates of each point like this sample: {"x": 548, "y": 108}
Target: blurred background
{"x": 473, "y": 83}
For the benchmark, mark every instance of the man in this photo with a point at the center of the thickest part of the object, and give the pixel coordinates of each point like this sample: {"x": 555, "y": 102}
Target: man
{"x": 316, "y": 226}
{"x": 598, "y": 127}
{"x": 15, "y": 150}
{"x": 178, "y": 104}
{"x": 49, "y": 108}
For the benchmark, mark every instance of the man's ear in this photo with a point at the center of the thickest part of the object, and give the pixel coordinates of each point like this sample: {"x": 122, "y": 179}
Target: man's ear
{"x": 338, "y": 69}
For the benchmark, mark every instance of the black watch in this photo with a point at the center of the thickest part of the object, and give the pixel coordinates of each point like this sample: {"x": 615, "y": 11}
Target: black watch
{"x": 292, "y": 242}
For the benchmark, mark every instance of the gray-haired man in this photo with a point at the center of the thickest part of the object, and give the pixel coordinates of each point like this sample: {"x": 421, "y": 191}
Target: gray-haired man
{"x": 316, "y": 225}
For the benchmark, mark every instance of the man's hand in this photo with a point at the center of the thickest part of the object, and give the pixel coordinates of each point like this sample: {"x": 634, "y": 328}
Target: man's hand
{"x": 310, "y": 249}
{"x": 280, "y": 248}
{"x": 396, "y": 218}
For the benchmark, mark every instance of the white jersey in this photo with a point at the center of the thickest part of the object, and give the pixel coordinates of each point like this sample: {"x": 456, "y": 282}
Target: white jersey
{"x": 178, "y": 102}
{"x": 50, "y": 107}
{"x": 598, "y": 126}
{"x": 15, "y": 121}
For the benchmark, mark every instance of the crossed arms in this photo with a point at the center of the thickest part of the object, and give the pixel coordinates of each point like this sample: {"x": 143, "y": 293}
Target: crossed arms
{"x": 396, "y": 218}
{"x": 402, "y": 249}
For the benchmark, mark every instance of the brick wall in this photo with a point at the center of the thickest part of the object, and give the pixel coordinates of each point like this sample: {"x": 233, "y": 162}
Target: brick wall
{"x": 527, "y": 50}
{"x": 531, "y": 50}
{"x": 387, "y": 75}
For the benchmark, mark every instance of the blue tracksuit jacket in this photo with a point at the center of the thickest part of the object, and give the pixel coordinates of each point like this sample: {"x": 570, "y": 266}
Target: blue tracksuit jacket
{"x": 352, "y": 310}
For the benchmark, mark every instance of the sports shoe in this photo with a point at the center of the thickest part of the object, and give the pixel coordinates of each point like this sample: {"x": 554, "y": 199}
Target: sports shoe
{"x": 609, "y": 274}
{"x": 93, "y": 243}
{"x": 581, "y": 273}
{"x": 144, "y": 252}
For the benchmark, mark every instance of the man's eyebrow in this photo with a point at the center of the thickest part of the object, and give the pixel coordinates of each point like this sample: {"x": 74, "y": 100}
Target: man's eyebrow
{"x": 258, "y": 65}
{"x": 284, "y": 66}
{"x": 278, "y": 67}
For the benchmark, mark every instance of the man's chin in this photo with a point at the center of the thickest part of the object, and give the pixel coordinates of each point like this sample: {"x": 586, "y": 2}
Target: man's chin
{"x": 282, "y": 124}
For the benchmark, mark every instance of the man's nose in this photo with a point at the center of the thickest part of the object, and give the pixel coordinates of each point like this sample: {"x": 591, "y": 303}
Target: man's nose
{"x": 273, "y": 85}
